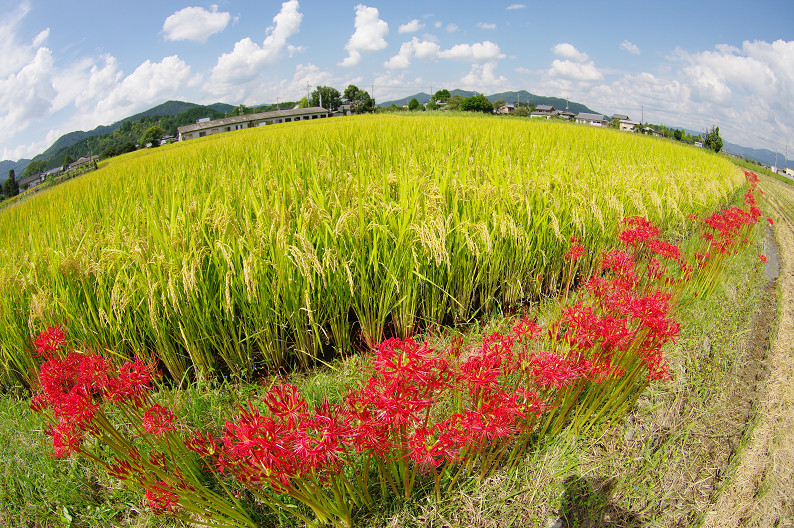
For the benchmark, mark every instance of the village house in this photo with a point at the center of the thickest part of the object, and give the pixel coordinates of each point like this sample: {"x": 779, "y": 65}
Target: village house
{"x": 592, "y": 119}
{"x": 205, "y": 127}
{"x": 624, "y": 123}
{"x": 543, "y": 111}
{"x": 506, "y": 109}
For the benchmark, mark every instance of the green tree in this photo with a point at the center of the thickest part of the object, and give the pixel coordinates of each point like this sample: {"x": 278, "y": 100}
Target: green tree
{"x": 453, "y": 102}
{"x": 330, "y": 97}
{"x": 303, "y": 103}
{"x": 66, "y": 161}
{"x": 521, "y": 111}
{"x": 499, "y": 103}
{"x": 362, "y": 103}
{"x": 476, "y": 103}
{"x": 678, "y": 134}
{"x": 431, "y": 105}
{"x": 35, "y": 167}
{"x": 153, "y": 136}
{"x": 11, "y": 187}
{"x": 713, "y": 139}
{"x": 239, "y": 110}
{"x": 413, "y": 104}
{"x": 351, "y": 92}
{"x": 442, "y": 95}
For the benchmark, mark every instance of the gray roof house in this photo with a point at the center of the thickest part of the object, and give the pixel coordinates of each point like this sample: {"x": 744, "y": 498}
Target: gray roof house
{"x": 227, "y": 124}
{"x": 592, "y": 119}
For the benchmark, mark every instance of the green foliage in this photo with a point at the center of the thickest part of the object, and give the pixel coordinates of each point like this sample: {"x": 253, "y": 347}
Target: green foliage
{"x": 67, "y": 160}
{"x": 303, "y": 103}
{"x": 118, "y": 149}
{"x": 241, "y": 110}
{"x": 713, "y": 140}
{"x": 414, "y": 105}
{"x": 442, "y": 95}
{"x": 476, "y": 103}
{"x": 431, "y": 105}
{"x": 453, "y": 102}
{"x": 153, "y": 136}
{"x": 11, "y": 187}
{"x": 351, "y": 92}
{"x": 328, "y": 96}
{"x": 35, "y": 167}
{"x": 521, "y": 111}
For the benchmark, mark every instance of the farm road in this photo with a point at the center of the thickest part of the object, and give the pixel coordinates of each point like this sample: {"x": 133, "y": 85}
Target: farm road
{"x": 761, "y": 490}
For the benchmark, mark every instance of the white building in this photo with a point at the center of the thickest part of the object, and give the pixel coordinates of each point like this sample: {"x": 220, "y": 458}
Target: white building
{"x": 204, "y": 127}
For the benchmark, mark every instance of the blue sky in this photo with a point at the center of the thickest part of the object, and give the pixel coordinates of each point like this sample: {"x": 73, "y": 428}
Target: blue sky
{"x": 68, "y": 66}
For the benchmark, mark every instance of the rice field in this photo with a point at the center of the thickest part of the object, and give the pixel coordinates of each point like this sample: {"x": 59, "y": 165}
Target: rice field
{"x": 284, "y": 244}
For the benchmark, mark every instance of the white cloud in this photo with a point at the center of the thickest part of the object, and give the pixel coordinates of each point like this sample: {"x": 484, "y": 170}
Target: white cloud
{"x": 26, "y": 95}
{"x": 483, "y": 25}
{"x": 151, "y": 83}
{"x": 294, "y": 50}
{"x": 247, "y": 60}
{"x": 630, "y": 47}
{"x": 13, "y": 56}
{"x": 451, "y": 28}
{"x": 411, "y": 27}
{"x": 575, "y": 71}
{"x": 39, "y": 39}
{"x": 569, "y": 52}
{"x": 482, "y": 77}
{"x": 515, "y": 6}
{"x": 479, "y": 52}
{"x": 195, "y": 23}
{"x": 437, "y": 24}
{"x": 421, "y": 49}
{"x": 369, "y": 35}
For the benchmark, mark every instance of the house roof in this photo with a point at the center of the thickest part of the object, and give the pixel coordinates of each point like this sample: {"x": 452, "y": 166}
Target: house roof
{"x": 590, "y": 117}
{"x": 250, "y": 117}
{"x": 544, "y": 108}
{"x": 621, "y": 117}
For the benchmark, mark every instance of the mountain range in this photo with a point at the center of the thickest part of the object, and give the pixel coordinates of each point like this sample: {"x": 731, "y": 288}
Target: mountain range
{"x": 64, "y": 144}
{"x": 521, "y": 96}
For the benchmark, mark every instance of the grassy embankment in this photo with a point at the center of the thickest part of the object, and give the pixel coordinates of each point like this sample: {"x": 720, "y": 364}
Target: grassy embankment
{"x": 276, "y": 246}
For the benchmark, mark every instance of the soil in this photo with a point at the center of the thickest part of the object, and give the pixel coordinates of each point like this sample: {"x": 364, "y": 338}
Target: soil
{"x": 759, "y": 489}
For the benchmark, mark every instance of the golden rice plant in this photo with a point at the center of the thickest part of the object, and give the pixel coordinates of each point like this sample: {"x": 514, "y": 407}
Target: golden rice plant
{"x": 283, "y": 244}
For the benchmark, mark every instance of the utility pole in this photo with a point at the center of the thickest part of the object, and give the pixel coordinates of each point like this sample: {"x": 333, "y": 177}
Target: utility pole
{"x": 308, "y": 87}
{"x": 372, "y": 86}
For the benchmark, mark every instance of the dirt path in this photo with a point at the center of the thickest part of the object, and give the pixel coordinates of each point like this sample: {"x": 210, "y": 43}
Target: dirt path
{"x": 760, "y": 492}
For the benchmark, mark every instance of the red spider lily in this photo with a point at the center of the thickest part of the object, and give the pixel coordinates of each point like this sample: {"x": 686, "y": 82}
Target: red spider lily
{"x": 640, "y": 231}
{"x": 762, "y": 258}
{"x": 526, "y": 330}
{"x": 480, "y": 372}
{"x": 50, "y": 341}
{"x": 552, "y": 370}
{"x": 770, "y": 221}
{"x": 123, "y": 470}
{"x": 133, "y": 383}
{"x": 576, "y": 250}
{"x": 158, "y": 420}
{"x": 161, "y": 498}
{"x": 284, "y": 401}
{"x": 431, "y": 448}
{"x": 65, "y": 439}
{"x": 320, "y": 439}
{"x": 203, "y": 444}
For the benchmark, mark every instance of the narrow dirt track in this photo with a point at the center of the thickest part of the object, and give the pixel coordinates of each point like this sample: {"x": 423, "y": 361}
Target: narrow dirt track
{"x": 761, "y": 490}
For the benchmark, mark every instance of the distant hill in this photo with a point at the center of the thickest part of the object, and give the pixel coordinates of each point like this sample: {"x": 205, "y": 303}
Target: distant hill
{"x": 17, "y": 166}
{"x": 169, "y": 108}
{"x": 509, "y": 97}
{"x": 767, "y": 157}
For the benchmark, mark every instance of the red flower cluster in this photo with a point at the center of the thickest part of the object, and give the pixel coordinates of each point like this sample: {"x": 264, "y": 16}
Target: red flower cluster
{"x": 72, "y": 388}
